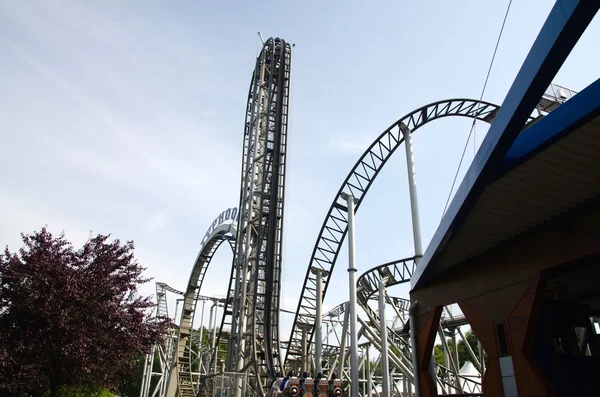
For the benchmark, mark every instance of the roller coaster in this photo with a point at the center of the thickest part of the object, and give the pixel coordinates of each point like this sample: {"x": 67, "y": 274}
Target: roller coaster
{"x": 256, "y": 359}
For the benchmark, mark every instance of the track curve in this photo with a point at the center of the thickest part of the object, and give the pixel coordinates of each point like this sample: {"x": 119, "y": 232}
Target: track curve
{"x": 218, "y": 233}
{"x": 396, "y": 272}
{"x": 358, "y": 181}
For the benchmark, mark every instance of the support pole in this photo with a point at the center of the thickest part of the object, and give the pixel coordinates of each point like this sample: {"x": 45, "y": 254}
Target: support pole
{"x": 147, "y": 374}
{"x": 350, "y": 200}
{"x": 397, "y": 361}
{"x": 412, "y": 188}
{"x": 343, "y": 339}
{"x": 214, "y": 324}
{"x": 214, "y": 336}
{"x": 304, "y": 365}
{"x": 385, "y": 369}
{"x": 476, "y": 361}
{"x": 416, "y": 223}
{"x": 176, "y": 309}
{"x": 481, "y": 358}
{"x": 455, "y": 351}
{"x": 202, "y": 320}
{"x": 451, "y": 357}
{"x": 369, "y": 375}
{"x": 208, "y": 341}
{"x": 304, "y": 352}
{"x": 449, "y": 364}
{"x": 413, "y": 346}
{"x": 319, "y": 320}
{"x": 210, "y": 321}
{"x": 365, "y": 364}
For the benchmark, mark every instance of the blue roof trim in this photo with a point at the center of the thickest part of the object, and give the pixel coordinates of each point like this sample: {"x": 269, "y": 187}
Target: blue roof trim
{"x": 561, "y": 31}
{"x": 565, "y": 119}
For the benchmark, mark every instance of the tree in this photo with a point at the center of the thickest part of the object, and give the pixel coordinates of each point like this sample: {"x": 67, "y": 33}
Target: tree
{"x": 130, "y": 386}
{"x": 438, "y": 355}
{"x": 463, "y": 352}
{"x": 71, "y": 317}
{"x": 85, "y": 392}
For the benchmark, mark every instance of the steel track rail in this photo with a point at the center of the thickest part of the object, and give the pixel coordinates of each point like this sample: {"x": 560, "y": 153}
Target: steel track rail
{"x": 358, "y": 181}
{"x": 185, "y": 381}
{"x": 395, "y": 273}
{"x": 253, "y": 300}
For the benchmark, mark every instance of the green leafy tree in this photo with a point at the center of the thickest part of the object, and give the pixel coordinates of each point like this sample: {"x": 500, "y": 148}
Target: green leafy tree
{"x": 84, "y": 392}
{"x": 438, "y": 355}
{"x": 463, "y": 352}
{"x": 130, "y": 386}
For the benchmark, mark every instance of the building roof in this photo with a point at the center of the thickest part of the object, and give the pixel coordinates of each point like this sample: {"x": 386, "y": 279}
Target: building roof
{"x": 552, "y": 168}
{"x": 520, "y": 179}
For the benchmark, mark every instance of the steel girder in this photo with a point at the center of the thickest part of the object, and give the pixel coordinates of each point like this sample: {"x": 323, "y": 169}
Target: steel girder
{"x": 395, "y": 272}
{"x": 252, "y": 308}
{"x": 186, "y": 384}
{"x": 357, "y": 183}
{"x": 166, "y": 287}
{"x": 164, "y": 354}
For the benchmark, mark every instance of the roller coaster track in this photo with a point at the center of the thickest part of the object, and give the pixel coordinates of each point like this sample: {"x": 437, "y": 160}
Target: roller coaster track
{"x": 156, "y": 381}
{"x": 216, "y": 235}
{"x": 251, "y": 310}
{"x": 252, "y": 304}
{"x": 395, "y": 273}
{"x": 161, "y": 298}
{"x": 357, "y": 183}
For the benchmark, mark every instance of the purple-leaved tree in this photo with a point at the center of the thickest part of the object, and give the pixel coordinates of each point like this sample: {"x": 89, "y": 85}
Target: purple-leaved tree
{"x": 71, "y": 317}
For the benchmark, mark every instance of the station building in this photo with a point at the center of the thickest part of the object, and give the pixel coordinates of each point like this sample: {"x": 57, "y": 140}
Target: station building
{"x": 519, "y": 248}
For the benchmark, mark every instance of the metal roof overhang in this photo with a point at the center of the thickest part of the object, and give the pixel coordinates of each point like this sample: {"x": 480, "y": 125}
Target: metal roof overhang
{"x": 518, "y": 180}
{"x": 552, "y": 168}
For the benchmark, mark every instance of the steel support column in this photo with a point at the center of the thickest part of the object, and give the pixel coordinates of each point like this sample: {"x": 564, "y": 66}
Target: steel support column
{"x": 304, "y": 365}
{"x": 202, "y": 319}
{"x": 412, "y": 188}
{"x": 369, "y": 376}
{"x": 413, "y": 346}
{"x": 343, "y": 341}
{"x": 319, "y": 319}
{"x": 385, "y": 369}
{"x": 350, "y": 200}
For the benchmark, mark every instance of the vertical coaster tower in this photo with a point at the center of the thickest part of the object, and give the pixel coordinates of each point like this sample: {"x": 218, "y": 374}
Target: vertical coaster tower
{"x": 252, "y": 311}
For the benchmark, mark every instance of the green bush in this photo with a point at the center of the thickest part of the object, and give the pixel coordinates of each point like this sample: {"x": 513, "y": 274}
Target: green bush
{"x": 84, "y": 392}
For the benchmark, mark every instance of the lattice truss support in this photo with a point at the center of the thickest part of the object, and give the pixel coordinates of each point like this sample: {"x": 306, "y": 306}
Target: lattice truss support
{"x": 336, "y": 351}
{"x": 185, "y": 375}
{"x": 448, "y": 377}
{"x": 357, "y": 183}
{"x": 158, "y": 364}
{"x": 252, "y": 312}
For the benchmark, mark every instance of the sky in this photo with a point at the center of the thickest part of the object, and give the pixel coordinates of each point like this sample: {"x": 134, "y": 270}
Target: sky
{"x": 126, "y": 118}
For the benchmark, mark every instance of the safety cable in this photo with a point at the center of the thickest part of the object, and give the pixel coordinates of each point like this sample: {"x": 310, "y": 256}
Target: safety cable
{"x": 478, "y": 102}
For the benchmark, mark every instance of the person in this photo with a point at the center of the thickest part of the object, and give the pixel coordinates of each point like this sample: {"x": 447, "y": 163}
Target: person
{"x": 277, "y": 376}
{"x": 319, "y": 376}
{"x": 285, "y": 380}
